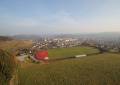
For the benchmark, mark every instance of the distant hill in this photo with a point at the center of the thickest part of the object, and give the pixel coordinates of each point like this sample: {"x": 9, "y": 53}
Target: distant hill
{"x": 5, "y": 38}
{"x": 27, "y": 37}
{"x": 102, "y": 35}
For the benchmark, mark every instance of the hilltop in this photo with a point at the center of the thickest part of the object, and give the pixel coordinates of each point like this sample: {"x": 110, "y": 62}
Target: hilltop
{"x": 5, "y": 38}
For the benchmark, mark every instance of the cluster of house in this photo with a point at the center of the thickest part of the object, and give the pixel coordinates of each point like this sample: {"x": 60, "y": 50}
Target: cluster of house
{"x": 103, "y": 46}
{"x": 69, "y": 42}
{"x": 46, "y": 44}
{"x": 56, "y": 43}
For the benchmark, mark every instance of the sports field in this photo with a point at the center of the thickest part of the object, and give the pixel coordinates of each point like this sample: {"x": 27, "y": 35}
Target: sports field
{"x": 102, "y": 69}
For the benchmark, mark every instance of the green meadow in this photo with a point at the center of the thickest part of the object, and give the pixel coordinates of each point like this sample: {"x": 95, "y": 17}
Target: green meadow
{"x": 102, "y": 69}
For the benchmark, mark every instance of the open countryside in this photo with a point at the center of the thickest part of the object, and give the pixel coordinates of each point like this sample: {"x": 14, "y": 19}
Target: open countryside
{"x": 79, "y": 63}
{"x": 59, "y": 42}
{"x": 102, "y": 69}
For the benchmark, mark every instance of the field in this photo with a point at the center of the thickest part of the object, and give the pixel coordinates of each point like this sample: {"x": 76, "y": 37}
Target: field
{"x": 103, "y": 69}
{"x": 15, "y": 44}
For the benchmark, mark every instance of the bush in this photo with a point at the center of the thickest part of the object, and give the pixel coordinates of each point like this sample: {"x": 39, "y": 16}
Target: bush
{"x": 7, "y": 67}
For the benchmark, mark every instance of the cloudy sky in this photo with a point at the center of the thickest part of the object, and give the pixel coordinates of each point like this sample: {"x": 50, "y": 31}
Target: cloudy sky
{"x": 59, "y": 16}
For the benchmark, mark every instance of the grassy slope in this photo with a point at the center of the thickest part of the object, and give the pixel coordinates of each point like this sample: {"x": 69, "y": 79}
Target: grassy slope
{"x": 14, "y": 44}
{"x": 10, "y": 46}
{"x": 101, "y": 69}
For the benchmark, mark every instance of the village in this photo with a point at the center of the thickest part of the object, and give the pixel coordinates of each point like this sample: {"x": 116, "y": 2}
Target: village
{"x": 45, "y": 44}
{"x": 53, "y": 43}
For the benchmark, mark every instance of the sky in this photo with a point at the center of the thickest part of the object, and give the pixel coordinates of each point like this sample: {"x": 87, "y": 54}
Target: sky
{"x": 59, "y": 16}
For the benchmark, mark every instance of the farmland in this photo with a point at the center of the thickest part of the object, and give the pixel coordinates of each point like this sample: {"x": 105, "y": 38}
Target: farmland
{"x": 102, "y": 69}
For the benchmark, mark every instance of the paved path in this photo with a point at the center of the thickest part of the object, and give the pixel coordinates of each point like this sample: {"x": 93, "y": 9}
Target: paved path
{"x": 22, "y": 58}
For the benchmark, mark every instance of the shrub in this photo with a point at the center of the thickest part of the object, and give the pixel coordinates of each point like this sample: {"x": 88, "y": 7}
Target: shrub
{"x": 7, "y": 67}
